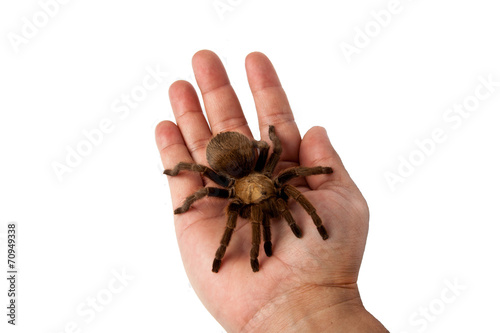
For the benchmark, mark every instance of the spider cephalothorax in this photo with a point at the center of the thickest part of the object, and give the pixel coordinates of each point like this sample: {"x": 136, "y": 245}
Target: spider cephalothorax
{"x": 253, "y": 192}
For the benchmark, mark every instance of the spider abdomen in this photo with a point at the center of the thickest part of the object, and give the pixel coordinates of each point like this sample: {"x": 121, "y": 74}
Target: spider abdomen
{"x": 254, "y": 188}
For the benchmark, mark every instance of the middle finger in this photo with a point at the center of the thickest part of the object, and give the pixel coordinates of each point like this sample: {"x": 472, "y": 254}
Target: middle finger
{"x": 223, "y": 109}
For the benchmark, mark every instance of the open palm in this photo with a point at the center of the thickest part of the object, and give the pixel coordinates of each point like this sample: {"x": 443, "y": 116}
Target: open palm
{"x": 237, "y": 297}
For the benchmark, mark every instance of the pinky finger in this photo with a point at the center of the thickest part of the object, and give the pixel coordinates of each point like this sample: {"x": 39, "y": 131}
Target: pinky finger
{"x": 173, "y": 150}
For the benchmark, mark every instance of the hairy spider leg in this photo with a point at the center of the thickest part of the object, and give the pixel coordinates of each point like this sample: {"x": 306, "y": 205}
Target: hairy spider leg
{"x": 206, "y": 191}
{"x": 285, "y": 212}
{"x": 232, "y": 214}
{"x": 275, "y": 156}
{"x": 256, "y": 218}
{"x": 290, "y": 173}
{"x": 308, "y": 207}
{"x": 205, "y": 171}
{"x": 263, "y": 153}
{"x": 266, "y": 232}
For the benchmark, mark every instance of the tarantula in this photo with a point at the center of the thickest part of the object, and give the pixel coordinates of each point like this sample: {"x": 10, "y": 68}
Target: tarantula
{"x": 254, "y": 194}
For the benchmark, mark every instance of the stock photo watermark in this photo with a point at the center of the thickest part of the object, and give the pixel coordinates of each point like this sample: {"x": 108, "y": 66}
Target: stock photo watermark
{"x": 122, "y": 107}
{"x": 222, "y": 7}
{"x": 453, "y": 119}
{"x": 363, "y": 36}
{"x": 430, "y": 312}
{"x": 90, "y": 308}
{"x": 10, "y": 240}
{"x": 32, "y": 25}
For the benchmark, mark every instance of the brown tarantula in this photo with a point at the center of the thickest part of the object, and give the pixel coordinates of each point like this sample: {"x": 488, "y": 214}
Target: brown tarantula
{"x": 247, "y": 180}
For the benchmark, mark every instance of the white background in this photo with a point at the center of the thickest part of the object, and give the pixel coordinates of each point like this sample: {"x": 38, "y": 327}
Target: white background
{"x": 112, "y": 212}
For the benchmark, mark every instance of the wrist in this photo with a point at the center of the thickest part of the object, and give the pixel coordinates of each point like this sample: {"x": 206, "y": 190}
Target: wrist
{"x": 316, "y": 309}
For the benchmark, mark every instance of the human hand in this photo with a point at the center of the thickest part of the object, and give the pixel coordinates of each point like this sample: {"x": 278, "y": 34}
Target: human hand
{"x": 308, "y": 284}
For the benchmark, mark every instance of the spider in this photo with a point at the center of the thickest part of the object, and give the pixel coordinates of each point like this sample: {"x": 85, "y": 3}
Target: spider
{"x": 246, "y": 178}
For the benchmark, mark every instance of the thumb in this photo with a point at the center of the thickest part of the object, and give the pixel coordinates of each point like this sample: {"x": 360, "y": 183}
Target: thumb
{"x": 317, "y": 150}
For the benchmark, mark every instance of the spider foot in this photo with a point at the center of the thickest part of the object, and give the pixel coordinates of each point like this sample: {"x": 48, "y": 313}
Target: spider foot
{"x": 255, "y": 264}
{"x": 272, "y": 130}
{"x": 216, "y": 265}
{"x": 170, "y": 172}
{"x": 322, "y": 232}
{"x": 296, "y": 230}
{"x": 179, "y": 210}
{"x": 268, "y": 248}
{"x": 327, "y": 170}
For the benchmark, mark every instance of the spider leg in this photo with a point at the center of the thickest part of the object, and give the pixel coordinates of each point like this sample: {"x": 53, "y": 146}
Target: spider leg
{"x": 266, "y": 231}
{"x": 256, "y": 217}
{"x": 290, "y": 173}
{"x": 263, "y": 152}
{"x": 232, "y": 214}
{"x": 206, "y": 191}
{"x": 205, "y": 171}
{"x": 308, "y": 207}
{"x": 275, "y": 156}
{"x": 285, "y": 212}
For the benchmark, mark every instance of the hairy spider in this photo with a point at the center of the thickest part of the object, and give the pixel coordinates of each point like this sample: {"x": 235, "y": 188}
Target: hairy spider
{"x": 247, "y": 180}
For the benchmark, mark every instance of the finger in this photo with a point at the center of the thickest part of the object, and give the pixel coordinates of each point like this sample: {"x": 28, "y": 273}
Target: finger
{"x": 223, "y": 109}
{"x": 317, "y": 150}
{"x": 272, "y": 104}
{"x": 190, "y": 119}
{"x": 172, "y": 151}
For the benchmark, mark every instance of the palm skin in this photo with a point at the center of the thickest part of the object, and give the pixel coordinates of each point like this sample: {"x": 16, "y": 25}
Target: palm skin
{"x": 320, "y": 271}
